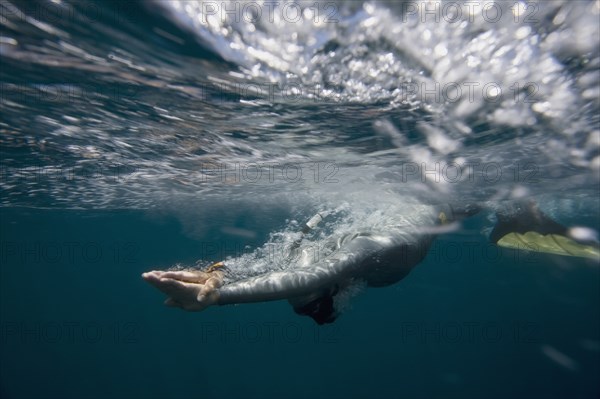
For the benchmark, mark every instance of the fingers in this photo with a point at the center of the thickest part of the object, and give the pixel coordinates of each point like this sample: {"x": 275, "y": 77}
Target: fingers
{"x": 171, "y": 287}
{"x": 188, "y": 276}
{"x": 152, "y": 278}
{"x": 189, "y": 290}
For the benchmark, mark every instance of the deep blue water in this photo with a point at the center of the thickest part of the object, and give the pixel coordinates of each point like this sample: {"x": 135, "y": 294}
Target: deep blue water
{"x": 130, "y": 135}
{"x": 78, "y": 321}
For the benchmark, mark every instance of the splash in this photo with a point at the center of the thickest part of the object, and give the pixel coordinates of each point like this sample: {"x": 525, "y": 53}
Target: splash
{"x": 363, "y": 102}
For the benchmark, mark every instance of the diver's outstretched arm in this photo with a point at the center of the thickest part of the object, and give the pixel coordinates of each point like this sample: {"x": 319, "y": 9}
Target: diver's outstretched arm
{"x": 196, "y": 290}
{"x": 289, "y": 283}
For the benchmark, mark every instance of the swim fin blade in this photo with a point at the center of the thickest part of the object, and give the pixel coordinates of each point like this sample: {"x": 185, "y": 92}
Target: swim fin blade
{"x": 524, "y": 227}
{"x": 548, "y": 243}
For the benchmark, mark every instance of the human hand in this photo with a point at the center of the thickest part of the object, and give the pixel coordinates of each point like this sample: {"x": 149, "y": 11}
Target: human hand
{"x": 191, "y": 290}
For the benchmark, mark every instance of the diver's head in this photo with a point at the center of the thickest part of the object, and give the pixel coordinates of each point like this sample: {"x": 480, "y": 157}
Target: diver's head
{"x": 320, "y": 310}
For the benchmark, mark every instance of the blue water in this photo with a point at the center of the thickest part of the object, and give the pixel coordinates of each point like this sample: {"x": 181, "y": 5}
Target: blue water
{"x": 133, "y": 138}
{"x": 463, "y": 328}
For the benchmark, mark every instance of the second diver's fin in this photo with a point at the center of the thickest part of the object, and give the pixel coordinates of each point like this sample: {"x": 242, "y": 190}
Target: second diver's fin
{"x": 524, "y": 227}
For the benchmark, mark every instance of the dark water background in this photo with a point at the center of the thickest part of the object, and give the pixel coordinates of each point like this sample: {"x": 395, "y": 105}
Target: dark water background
{"x": 81, "y": 323}
{"x": 110, "y": 113}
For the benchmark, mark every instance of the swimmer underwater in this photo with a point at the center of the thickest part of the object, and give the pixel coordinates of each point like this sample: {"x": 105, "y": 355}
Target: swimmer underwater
{"x": 380, "y": 257}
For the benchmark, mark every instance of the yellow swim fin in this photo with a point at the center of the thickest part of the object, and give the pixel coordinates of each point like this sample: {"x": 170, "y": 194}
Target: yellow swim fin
{"x": 548, "y": 243}
{"x": 523, "y": 226}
